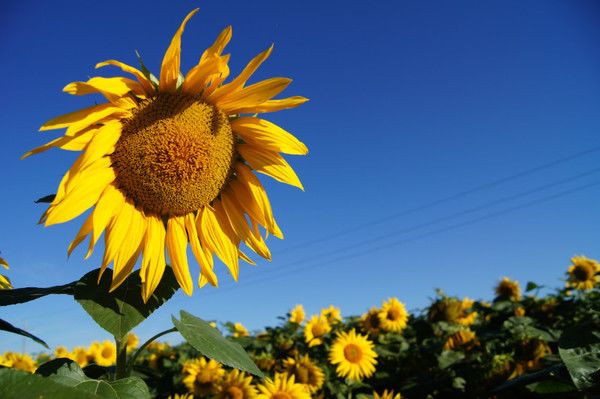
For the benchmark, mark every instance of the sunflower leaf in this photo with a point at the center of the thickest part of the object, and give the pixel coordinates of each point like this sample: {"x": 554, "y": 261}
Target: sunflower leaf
{"x": 16, "y": 383}
{"x": 209, "y": 342}
{"x": 579, "y": 349}
{"x": 45, "y": 200}
{"x": 20, "y": 295}
{"x": 121, "y": 310}
{"x": 6, "y": 326}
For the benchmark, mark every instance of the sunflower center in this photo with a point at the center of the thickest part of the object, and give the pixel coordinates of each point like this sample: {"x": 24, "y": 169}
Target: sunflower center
{"x": 106, "y": 353}
{"x": 233, "y": 393}
{"x": 174, "y": 155}
{"x": 353, "y": 353}
{"x": 582, "y": 273}
{"x": 319, "y": 329}
{"x": 281, "y": 395}
{"x": 393, "y": 314}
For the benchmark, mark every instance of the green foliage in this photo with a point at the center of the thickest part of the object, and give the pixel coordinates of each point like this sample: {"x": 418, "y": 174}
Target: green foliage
{"x": 21, "y": 295}
{"x": 16, "y": 384}
{"x": 579, "y": 349}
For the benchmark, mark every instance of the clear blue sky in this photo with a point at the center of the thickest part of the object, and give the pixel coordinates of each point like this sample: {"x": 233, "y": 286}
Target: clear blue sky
{"x": 411, "y": 102}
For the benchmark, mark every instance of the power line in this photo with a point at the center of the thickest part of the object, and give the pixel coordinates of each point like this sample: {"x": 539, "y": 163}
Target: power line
{"x": 443, "y": 200}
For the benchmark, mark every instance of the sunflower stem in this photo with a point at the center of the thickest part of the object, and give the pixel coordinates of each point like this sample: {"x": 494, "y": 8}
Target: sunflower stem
{"x": 143, "y": 346}
{"x": 121, "y": 371}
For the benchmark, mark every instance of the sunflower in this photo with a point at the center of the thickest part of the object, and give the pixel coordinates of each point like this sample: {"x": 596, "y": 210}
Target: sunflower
{"x": 239, "y": 330}
{"x": 528, "y": 354}
{"x": 61, "y": 351}
{"x": 332, "y": 314}
{"x": 201, "y": 377}
{"x": 393, "y": 316}
{"x": 370, "y": 321}
{"x": 264, "y": 361}
{"x": 314, "y": 329}
{"x": 282, "y": 387}
{"x": 386, "y": 395}
{"x": 4, "y": 281}
{"x": 169, "y": 161}
{"x": 508, "y": 289}
{"x": 20, "y": 361}
{"x": 132, "y": 342}
{"x": 105, "y": 354}
{"x": 354, "y": 355}
{"x": 464, "y": 338}
{"x": 80, "y": 355}
{"x": 236, "y": 385}
{"x": 180, "y": 396}
{"x": 520, "y": 311}
{"x": 297, "y": 314}
{"x": 452, "y": 310}
{"x": 582, "y": 273}
{"x": 305, "y": 371}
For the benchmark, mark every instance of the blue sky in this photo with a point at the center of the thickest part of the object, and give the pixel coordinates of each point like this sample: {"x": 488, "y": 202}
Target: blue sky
{"x": 451, "y": 144}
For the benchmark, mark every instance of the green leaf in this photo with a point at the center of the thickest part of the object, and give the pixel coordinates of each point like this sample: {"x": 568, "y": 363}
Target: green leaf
{"x": 448, "y": 358}
{"x": 45, "y": 200}
{"x": 17, "y": 384}
{"x": 21, "y": 295}
{"x": 531, "y": 286}
{"x": 6, "y": 326}
{"x": 130, "y": 388}
{"x": 579, "y": 349}
{"x": 209, "y": 341}
{"x": 550, "y": 387}
{"x": 528, "y": 379}
{"x": 123, "y": 309}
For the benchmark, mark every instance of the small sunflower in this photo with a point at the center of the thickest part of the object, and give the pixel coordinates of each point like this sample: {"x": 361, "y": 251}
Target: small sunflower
{"x": 386, "y": 395}
{"x": 132, "y": 342}
{"x": 305, "y": 371}
{"x": 452, "y": 310}
{"x": 332, "y": 314}
{"x": 236, "y": 385}
{"x": 282, "y": 387}
{"x": 105, "y": 354}
{"x": 508, "y": 289}
{"x": 528, "y": 354}
{"x": 80, "y": 355}
{"x": 20, "y": 361}
{"x": 370, "y": 321}
{"x": 4, "y": 281}
{"x": 201, "y": 377}
{"x": 354, "y": 355}
{"x": 461, "y": 339}
{"x": 239, "y": 330}
{"x": 297, "y": 314}
{"x": 520, "y": 311}
{"x": 264, "y": 361}
{"x": 582, "y": 273}
{"x": 393, "y": 316}
{"x": 62, "y": 352}
{"x": 316, "y": 328}
{"x": 169, "y": 161}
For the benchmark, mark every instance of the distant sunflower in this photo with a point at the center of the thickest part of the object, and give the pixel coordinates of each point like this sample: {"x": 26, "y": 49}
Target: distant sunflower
{"x": 282, "y": 387}
{"x": 239, "y": 330}
{"x": 80, "y": 355}
{"x": 332, "y": 314}
{"x": 354, "y": 355}
{"x": 62, "y": 352}
{"x": 582, "y": 273}
{"x": 20, "y": 361}
{"x": 236, "y": 385}
{"x": 169, "y": 161}
{"x": 461, "y": 339}
{"x": 297, "y": 314}
{"x": 452, "y": 310}
{"x": 132, "y": 342}
{"x": 508, "y": 289}
{"x": 305, "y": 371}
{"x": 201, "y": 377}
{"x": 393, "y": 316}
{"x": 528, "y": 354}
{"x": 4, "y": 281}
{"x": 386, "y": 395}
{"x": 316, "y": 328}
{"x": 370, "y": 321}
{"x": 105, "y": 354}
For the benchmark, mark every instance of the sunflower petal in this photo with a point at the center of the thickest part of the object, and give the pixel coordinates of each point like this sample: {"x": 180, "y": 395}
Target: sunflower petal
{"x": 111, "y": 88}
{"x": 267, "y": 135}
{"x": 252, "y": 95}
{"x": 217, "y": 240}
{"x": 269, "y": 163}
{"x": 219, "y": 45}
{"x": 84, "y": 231}
{"x": 129, "y": 251}
{"x": 146, "y": 84}
{"x": 198, "y": 77}
{"x": 102, "y": 144}
{"x": 274, "y": 105}
{"x": 176, "y": 246}
{"x": 169, "y": 71}
{"x": 115, "y": 235}
{"x": 153, "y": 258}
{"x": 109, "y": 204}
{"x": 203, "y": 256}
{"x": 81, "y": 118}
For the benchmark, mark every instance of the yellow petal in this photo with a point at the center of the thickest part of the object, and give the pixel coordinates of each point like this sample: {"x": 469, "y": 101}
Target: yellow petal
{"x": 198, "y": 77}
{"x": 219, "y": 45}
{"x": 109, "y": 204}
{"x": 71, "y": 143}
{"x": 116, "y": 235}
{"x": 82, "y": 118}
{"x": 267, "y": 135}
{"x": 111, "y": 88}
{"x": 102, "y": 144}
{"x": 242, "y": 78}
{"x": 84, "y": 231}
{"x": 153, "y": 258}
{"x": 203, "y": 255}
{"x": 269, "y": 163}
{"x": 4, "y": 263}
{"x": 177, "y": 245}
{"x": 146, "y": 84}
{"x": 217, "y": 240}
{"x": 169, "y": 71}
{"x": 82, "y": 197}
{"x": 246, "y": 258}
{"x": 252, "y": 95}
{"x": 274, "y": 105}
{"x": 129, "y": 251}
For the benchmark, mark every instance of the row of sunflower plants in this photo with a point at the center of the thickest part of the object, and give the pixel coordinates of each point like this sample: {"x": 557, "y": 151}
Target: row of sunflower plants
{"x": 542, "y": 343}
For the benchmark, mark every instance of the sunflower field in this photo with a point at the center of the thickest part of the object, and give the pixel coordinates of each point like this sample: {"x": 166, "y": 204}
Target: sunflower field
{"x": 518, "y": 345}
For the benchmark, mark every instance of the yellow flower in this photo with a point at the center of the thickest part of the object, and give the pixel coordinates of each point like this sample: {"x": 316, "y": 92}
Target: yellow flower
{"x": 282, "y": 387}
{"x": 80, "y": 355}
{"x": 354, "y": 355}
{"x": 21, "y": 361}
{"x": 462, "y": 338}
{"x": 61, "y": 351}
{"x": 386, "y": 395}
{"x": 264, "y": 361}
{"x": 528, "y": 354}
{"x": 181, "y": 396}
{"x": 582, "y": 273}
{"x": 452, "y": 310}
{"x": 239, "y": 330}
{"x": 305, "y": 371}
{"x": 105, "y": 354}
{"x": 316, "y": 328}
{"x": 370, "y": 321}
{"x": 393, "y": 316}
{"x": 520, "y": 311}
{"x": 332, "y": 314}
{"x": 156, "y": 346}
{"x": 201, "y": 377}
{"x": 132, "y": 342}
{"x": 508, "y": 289}
{"x": 236, "y": 385}
{"x": 4, "y": 281}
{"x": 297, "y": 314}
{"x": 170, "y": 160}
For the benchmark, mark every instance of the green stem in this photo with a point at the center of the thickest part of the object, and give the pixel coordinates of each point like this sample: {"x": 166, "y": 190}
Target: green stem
{"x": 143, "y": 346}
{"x": 121, "y": 371}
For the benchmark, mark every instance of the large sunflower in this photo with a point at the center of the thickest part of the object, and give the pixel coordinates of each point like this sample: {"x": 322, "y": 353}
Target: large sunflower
{"x": 282, "y": 386}
{"x": 393, "y": 316}
{"x": 169, "y": 161}
{"x": 236, "y": 385}
{"x": 354, "y": 355}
